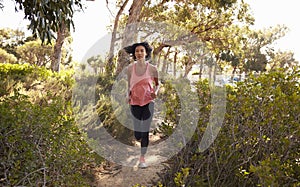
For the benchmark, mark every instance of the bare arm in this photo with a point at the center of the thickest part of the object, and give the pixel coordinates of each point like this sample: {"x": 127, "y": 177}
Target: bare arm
{"x": 129, "y": 70}
{"x": 154, "y": 73}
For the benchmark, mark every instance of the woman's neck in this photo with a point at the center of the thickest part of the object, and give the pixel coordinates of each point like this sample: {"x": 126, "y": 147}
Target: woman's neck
{"x": 141, "y": 61}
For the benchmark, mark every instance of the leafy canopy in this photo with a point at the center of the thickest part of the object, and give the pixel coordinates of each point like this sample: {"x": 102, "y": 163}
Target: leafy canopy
{"x": 47, "y": 16}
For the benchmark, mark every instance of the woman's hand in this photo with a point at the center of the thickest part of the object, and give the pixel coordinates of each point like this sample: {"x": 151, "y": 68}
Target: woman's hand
{"x": 127, "y": 98}
{"x": 153, "y": 95}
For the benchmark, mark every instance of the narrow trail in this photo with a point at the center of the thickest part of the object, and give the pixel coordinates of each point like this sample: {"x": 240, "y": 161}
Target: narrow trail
{"x": 124, "y": 176}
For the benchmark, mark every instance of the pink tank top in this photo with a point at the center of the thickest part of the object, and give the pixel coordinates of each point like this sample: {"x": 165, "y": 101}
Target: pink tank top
{"x": 141, "y": 87}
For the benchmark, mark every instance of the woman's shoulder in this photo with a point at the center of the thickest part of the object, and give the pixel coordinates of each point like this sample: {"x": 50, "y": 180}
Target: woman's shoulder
{"x": 130, "y": 66}
{"x": 151, "y": 65}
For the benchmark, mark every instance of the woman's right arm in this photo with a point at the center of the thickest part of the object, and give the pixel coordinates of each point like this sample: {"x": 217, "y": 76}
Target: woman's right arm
{"x": 129, "y": 70}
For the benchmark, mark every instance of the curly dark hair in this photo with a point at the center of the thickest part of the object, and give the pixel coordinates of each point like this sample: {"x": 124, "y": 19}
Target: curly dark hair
{"x": 131, "y": 49}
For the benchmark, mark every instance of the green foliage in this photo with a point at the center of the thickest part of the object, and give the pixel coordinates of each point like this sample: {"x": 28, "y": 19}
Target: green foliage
{"x": 5, "y": 57}
{"x": 171, "y": 100}
{"x": 11, "y": 39}
{"x": 35, "y": 53}
{"x": 179, "y": 102}
{"x": 223, "y": 26}
{"x": 258, "y": 144}
{"x": 39, "y": 140}
{"x": 93, "y": 96}
{"x": 284, "y": 60}
{"x": 47, "y": 16}
{"x": 181, "y": 176}
{"x": 109, "y": 116}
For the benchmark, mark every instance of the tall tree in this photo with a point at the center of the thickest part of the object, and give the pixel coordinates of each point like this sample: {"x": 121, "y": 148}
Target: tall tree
{"x": 130, "y": 32}
{"x": 222, "y": 27}
{"x": 48, "y": 17}
{"x": 206, "y": 20}
{"x": 62, "y": 33}
{"x": 201, "y": 18}
{"x": 110, "y": 63}
{"x": 258, "y": 46}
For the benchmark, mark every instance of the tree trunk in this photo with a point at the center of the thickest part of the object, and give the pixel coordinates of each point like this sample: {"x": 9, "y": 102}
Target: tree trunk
{"x": 174, "y": 64}
{"x": 158, "y": 50}
{"x": 110, "y": 63}
{"x": 215, "y": 72}
{"x": 158, "y": 61}
{"x": 201, "y": 69}
{"x": 56, "y": 58}
{"x": 164, "y": 66}
{"x": 130, "y": 31}
{"x": 210, "y": 75}
{"x": 157, "y": 54}
{"x": 188, "y": 67}
{"x": 233, "y": 72}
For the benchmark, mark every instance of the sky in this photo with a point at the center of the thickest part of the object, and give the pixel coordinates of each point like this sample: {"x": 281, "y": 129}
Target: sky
{"x": 91, "y": 25}
{"x": 272, "y": 12}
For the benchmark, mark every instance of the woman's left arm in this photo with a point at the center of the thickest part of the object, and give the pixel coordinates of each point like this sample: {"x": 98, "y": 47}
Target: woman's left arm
{"x": 156, "y": 80}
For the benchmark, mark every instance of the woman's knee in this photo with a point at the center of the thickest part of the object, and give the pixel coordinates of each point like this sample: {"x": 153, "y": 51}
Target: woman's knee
{"x": 145, "y": 135}
{"x": 137, "y": 135}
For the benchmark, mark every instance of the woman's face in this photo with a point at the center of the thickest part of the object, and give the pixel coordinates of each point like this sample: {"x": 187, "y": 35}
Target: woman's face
{"x": 140, "y": 52}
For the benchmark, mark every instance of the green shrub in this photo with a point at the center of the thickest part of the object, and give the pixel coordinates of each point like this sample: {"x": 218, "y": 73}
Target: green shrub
{"x": 40, "y": 142}
{"x": 258, "y": 144}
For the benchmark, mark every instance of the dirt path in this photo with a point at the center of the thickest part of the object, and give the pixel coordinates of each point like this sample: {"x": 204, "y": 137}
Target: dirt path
{"x": 128, "y": 177}
{"x": 123, "y": 176}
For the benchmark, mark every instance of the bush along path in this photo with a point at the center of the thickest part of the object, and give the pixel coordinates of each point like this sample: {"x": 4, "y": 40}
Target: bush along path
{"x": 39, "y": 141}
